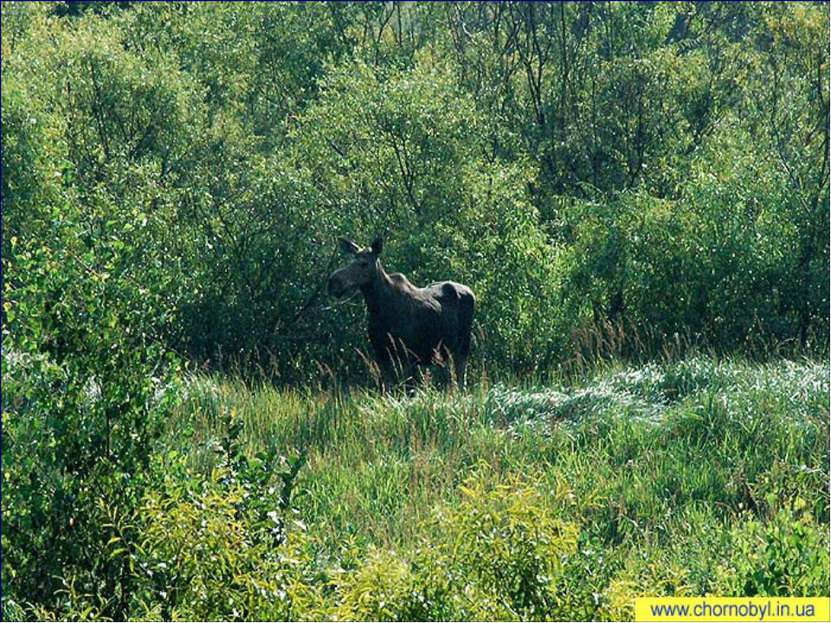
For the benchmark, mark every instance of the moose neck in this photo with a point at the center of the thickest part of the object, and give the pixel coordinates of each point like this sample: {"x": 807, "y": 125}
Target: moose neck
{"x": 378, "y": 291}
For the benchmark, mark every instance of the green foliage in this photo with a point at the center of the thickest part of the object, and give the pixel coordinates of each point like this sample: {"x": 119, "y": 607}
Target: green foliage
{"x": 86, "y": 386}
{"x": 563, "y": 502}
{"x": 498, "y": 554}
{"x": 506, "y": 541}
{"x": 783, "y": 557}
{"x": 660, "y": 168}
{"x": 75, "y": 445}
{"x": 87, "y": 376}
{"x": 673, "y": 478}
{"x": 208, "y": 549}
{"x": 711, "y": 263}
{"x": 384, "y": 587}
{"x": 613, "y": 181}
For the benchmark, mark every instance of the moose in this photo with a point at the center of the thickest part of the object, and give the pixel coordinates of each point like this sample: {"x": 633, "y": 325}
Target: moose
{"x": 408, "y": 326}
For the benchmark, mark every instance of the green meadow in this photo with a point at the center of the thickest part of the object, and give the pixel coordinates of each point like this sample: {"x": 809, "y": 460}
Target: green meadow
{"x": 552, "y": 499}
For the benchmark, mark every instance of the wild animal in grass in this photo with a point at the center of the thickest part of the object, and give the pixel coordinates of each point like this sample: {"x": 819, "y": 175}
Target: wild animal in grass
{"x": 408, "y": 326}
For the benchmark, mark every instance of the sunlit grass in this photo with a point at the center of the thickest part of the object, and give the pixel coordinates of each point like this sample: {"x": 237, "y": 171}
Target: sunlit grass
{"x": 643, "y": 449}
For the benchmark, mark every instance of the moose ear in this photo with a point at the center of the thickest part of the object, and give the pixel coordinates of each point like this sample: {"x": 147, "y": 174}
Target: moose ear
{"x": 378, "y": 245}
{"x": 347, "y": 246}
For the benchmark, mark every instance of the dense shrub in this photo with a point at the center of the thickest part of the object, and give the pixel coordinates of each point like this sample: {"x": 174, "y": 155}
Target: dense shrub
{"x": 646, "y": 184}
{"x": 217, "y": 548}
{"x": 87, "y": 375}
{"x": 498, "y": 554}
{"x": 576, "y": 503}
{"x": 710, "y": 264}
{"x": 76, "y": 445}
{"x": 786, "y": 556}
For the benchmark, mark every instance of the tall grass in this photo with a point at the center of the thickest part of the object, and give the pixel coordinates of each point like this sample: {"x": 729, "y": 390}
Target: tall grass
{"x": 561, "y": 496}
{"x": 642, "y": 449}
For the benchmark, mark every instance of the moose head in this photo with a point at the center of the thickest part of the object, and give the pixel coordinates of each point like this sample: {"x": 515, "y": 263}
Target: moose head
{"x": 360, "y": 271}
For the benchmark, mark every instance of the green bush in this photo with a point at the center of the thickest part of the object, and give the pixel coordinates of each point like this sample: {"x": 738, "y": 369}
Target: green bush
{"x": 644, "y": 187}
{"x": 207, "y": 548}
{"x": 788, "y": 555}
{"x": 506, "y": 541}
{"x": 384, "y": 587}
{"x": 75, "y": 450}
{"x": 497, "y": 554}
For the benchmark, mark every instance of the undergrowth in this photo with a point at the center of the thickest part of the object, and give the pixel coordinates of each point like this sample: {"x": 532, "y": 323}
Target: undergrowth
{"x": 555, "y": 500}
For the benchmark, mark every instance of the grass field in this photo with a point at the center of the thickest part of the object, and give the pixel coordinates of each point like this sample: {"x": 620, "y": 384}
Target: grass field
{"x": 561, "y": 499}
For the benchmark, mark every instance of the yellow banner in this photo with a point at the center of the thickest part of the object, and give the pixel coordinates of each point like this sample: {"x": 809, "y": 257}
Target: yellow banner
{"x": 739, "y": 609}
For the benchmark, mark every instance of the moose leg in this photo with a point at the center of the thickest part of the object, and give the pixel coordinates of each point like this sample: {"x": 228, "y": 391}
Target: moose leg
{"x": 389, "y": 364}
{"x": 411, "y": 379}
{"x": 446, "y": 361}
{"x": 459, "y": 365}
{"x": 463, "y": 349}
{"x": 388, "y": 377}
{"x": 386, "y": 370}
{"x": 396, "y": 372}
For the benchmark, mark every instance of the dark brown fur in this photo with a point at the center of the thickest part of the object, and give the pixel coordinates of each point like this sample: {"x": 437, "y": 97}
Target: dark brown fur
{"x": 408, "y": 326}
